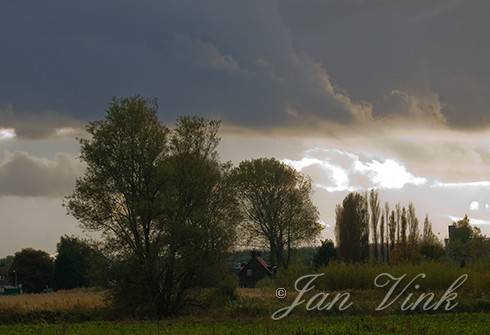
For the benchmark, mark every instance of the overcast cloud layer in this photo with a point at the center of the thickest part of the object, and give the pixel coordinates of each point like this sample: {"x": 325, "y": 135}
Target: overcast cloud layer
{"x": 357, "y": 94}
{"x": 259, "y": 63}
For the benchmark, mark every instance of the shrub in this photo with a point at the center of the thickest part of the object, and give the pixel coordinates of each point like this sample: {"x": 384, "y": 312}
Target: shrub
{"x": 325, "y": 254}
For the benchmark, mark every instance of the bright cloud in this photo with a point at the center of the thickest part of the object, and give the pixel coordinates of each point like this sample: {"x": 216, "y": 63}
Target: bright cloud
{"x": 6, "y": 133}
{"x": 336, "y": 170}
{"x": 474, "y": 206}
{"x": 473, "y": 184}
{"x": 388, "y": 174}
{"x": 475, "y": 222}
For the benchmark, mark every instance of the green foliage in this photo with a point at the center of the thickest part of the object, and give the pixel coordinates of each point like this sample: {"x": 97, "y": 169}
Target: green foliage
{"x": 465, "y": 241}
{"x": 430, "y": 247}
{"x": 413, "y": 226}
{"x": 392, "y": 230}
{"x": 399, "y": 235}
{"x": 278, "y": 210}
{"x": 375, "y": 211}
{"x": 162, "y": 200}
{"x": 431, "y": 250}
{"x": 464, "y": 323}
{"x": 287, "y": 277}
{"x": 78, "y": 264}
{"x": 33, "y": 269}
{"x": 403, "y": 229}
{"x": 325, "y": 254}
{"x": 479, "y": 248}
{"x": 227, "y": 288}
{"x": 352, "y": 228}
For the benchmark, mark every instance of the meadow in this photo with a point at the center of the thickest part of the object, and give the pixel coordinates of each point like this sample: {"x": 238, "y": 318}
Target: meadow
{"x": 88, "y": 311}
{"x": 338, "y": 325}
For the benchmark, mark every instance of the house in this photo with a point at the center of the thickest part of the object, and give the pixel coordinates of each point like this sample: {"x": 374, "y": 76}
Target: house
{"x": 4, "y": 276}
{"x": 254, "y": 270}
{"x": 7, "y": 286}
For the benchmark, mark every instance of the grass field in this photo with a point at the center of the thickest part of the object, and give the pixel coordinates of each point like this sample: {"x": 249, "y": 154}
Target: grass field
{"x": 73, "y": 305}
{"x": 56, "y": 302}
{"x": 87, "y": 312}
{"x": 476, "y": 323}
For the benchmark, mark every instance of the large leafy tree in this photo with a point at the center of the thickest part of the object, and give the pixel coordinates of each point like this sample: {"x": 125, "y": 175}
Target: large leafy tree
{"x": 382, "y": 238}
{"x": 33, "y": 269}
{"x": 392, "y": 231}
{"x": 160, "y": 198}
{"x": 398, "y": 212}
{"x": 325, "y": 253}
{"x": 413, "y": 225}
{"x": 430, "y": 246}
{"x": 375, "y": 211}
{"x": 352, "y": 228}
{"x": 462, "y": 237}
{"x": 78, "y": 264}
{"x": 385, "y": 236}
{"x": 403, "y": 228}
{"x": 278, "y": 211}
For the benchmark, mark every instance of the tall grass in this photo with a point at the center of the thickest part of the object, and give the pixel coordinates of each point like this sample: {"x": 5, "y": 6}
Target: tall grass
{"x": 339, "y": 276}
{"x": 53, "y": 302}
{"x": 77, "y": 305}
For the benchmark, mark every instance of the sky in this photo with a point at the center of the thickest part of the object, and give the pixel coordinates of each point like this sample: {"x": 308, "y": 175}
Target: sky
{"x": 357, "y": 94}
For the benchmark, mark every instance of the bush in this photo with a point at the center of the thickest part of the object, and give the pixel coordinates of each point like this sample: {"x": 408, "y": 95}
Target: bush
{"x": 287, "y": 277}
{"x": 325, "y": 254}
{"x": 431, "y": 250}
{"x": 226, "y": 289}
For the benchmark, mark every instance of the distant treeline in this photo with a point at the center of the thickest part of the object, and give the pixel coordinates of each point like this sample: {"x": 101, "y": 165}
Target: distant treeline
{"x": 366, "y": 231}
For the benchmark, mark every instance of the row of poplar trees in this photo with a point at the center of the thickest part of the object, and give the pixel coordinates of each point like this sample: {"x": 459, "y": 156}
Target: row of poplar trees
{"x": 367, "y": 231}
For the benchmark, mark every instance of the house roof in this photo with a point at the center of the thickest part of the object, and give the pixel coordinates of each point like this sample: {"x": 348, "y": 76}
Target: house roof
{"x": 261, "y": 262}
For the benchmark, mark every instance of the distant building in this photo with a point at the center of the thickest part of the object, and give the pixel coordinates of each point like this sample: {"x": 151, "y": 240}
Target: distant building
{"x": 8, "y": 286}
{"x": 254, "y": 270}
{"x": 462, "y": 231}
{"x": 452, "y": 232}
{"x": 4, "y": 276}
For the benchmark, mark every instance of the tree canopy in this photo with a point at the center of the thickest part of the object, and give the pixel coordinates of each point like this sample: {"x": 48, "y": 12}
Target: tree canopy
{"x": 352, "y": 228}
{"x": 278, "y": 211}
{"x": 78, "y": 264}
{"x": 33, "y": 269}
{"x": 161, "y": 199}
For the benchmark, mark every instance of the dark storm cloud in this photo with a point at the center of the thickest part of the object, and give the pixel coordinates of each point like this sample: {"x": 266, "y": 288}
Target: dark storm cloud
{"x": 252, "y": 63}
{"x": 372, "y": 48}
{"x": 229, "y": 59}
